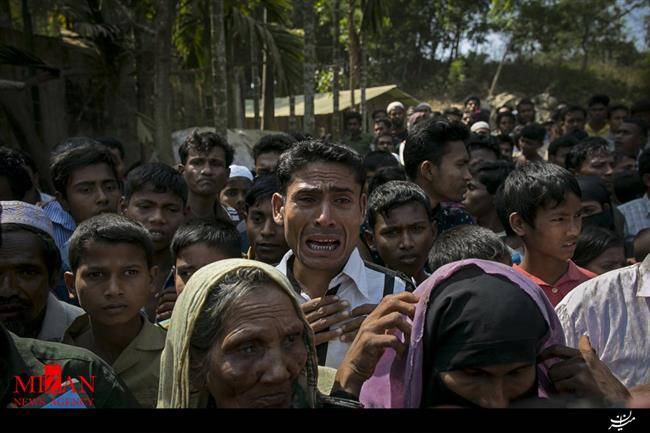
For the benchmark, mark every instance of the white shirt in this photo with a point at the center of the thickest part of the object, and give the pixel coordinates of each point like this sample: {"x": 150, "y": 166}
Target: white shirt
{"x": 358, "y": 283}
{"x": 613, "y": 309}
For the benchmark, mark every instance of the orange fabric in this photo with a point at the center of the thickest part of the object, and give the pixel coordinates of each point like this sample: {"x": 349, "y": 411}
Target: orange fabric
{"x": 573, "y": 277}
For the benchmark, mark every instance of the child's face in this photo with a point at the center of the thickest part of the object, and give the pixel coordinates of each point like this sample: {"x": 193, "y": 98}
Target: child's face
{"x": 403, "y": 238}
{"x": 478, "y": 200}
{"x": 191, "y": 259}
{"x": 91, "y": 190}
{"x": 160, "y": 212}
{"x": 113, "y": 282}
{"x": 556, "y": 229}
{"x": 265, "y": 235}
{"x": 234, "y": 194}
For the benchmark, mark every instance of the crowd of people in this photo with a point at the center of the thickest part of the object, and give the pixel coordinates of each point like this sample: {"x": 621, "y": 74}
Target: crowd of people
{"x": 463, "y": 258}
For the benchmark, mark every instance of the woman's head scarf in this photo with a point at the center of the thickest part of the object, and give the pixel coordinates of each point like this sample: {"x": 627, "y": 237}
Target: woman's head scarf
{"x": 398, "y": 382}
{"x": 174, "y": 388}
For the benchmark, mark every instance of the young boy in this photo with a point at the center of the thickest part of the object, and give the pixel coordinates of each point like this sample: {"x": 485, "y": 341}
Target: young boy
{"x": 267, "y": 242}
{"x": 155, "y": 195}
{"x": 234, "y": 193}
{"x": 401, "y": 227}
{"x": 112, "y": 274}
{"x": 530, "y": 141}
{"x": 543, "y": 203}
{"x": 487, "y": 177}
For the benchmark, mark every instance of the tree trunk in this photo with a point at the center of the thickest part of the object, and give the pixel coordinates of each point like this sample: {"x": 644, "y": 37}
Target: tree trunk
{"x": 268, "y": 118}
{"x": 5, "y": 14}
{"x": 162, "y": 84}
{"x": 364, "y": 111}
{"x": 28, "y": 34}
{"x": 354, "y": 51}
{"x": 336, "y": 129}
{"x": 219, "y": 79}
{"x": 309, "y": 66}
{"x": 143, "y": 61}
{"x": 497, "y": 74}
{"x": 255, "y": 79}
{"x": 292, "y": 113}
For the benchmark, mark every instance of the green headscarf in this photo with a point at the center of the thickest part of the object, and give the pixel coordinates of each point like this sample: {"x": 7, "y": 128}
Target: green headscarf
{"x": 174, "y": 388}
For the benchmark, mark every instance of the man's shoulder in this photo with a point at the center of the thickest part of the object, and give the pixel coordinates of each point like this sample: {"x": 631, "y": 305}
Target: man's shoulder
{"x": 608, "y": 288}
{"x": 633, "y": 204}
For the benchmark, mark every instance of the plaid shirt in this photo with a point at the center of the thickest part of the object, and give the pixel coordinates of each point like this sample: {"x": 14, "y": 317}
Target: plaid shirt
{"x": 637, "y": 215}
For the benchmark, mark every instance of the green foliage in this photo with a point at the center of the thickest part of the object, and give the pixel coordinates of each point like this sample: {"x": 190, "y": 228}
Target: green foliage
{"x": 457, "y": 71}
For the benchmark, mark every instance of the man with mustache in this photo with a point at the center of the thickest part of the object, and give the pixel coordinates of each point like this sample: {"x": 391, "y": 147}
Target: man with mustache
{"x": 29, "y": 266}
{"x": 321, "y": 205}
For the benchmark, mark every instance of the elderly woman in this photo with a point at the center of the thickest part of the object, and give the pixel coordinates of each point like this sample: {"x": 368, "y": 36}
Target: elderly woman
{"x": 480, "y": 335}
{"x": 238, "y": 338}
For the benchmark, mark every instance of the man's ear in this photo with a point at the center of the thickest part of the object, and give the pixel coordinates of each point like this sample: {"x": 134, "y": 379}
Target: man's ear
{"x": 153, "y": 274}
{"x": 646, "y": 180}
{"x": 363, "y": 201}
{"x": 68, "y": 278}
{"x": 277, "y": 201}
{"x": 180, "y": 168}
{"x": 370, "y": 239}
{"x": 517, "y": 224}
{"x": 62, "y": 201}
{"x": 427, "y": 170}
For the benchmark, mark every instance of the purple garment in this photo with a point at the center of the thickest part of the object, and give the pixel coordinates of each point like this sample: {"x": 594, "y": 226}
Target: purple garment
{"x": 397, "y": 382}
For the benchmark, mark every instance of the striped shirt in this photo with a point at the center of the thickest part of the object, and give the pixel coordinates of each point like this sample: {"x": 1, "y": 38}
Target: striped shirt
{"x": 637, "y": 215}
{"x": 358, "y": 283}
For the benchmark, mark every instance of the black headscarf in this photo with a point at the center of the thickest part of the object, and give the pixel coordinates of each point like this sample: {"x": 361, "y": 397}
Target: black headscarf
{"x": 475, "y": 319}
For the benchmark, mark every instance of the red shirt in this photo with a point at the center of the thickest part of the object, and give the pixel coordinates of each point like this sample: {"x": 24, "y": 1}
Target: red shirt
{"x": 573, "y": 277}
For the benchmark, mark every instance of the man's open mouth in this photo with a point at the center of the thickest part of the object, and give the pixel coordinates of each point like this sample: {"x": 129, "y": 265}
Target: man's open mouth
{"x": 325, "y": 245}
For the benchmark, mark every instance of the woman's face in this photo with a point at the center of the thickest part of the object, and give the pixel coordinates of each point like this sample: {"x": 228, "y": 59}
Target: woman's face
{"x": 260, "y": 353}
{"x": 493, "y": 386}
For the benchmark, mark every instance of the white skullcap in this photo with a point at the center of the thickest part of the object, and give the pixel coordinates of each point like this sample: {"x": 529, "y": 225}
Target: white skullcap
{"x": 19, "y": 212}
{"x": 394, "y": 104}
{"x": 240, "y": 171}
{"x": 479, "y": 125}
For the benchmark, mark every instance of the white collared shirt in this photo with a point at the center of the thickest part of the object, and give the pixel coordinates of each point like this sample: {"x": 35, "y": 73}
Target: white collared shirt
{"x": 359, "y": 283}
{"x": 613, "y": 309}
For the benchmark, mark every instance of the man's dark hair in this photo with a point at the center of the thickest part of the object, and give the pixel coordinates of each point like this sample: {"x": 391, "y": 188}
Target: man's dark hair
{"x": 377, "y": 159}
{"x": 592, "y": 242}
{"x": 72, "y": 142}
{"x": 473, "y": 98}
{"x": 352, "y": 115}
{"x": 28, "y": 160}
{"x": 112, "y": 143}
{"x": 51, "y": 253}
{"x": 160, "y": 177}
{"x": 467, "y": 242}
{"x": 306, "y": 152}
{"x": 641, "y": 245}
{"x": 524, "y": 101}
{"x": 504, "y": 114}
{"x": 598, "y": 99}
{"x": 452, "y": 111}
{"x": 386, "y": 174}
{"x": 276, "y": 143}
{"x": 617, "y": 107}
{"x": 204, "y": 142}
{"x": 109, "y": 229}
{"x": 640, "y": 123}
{"x": 492, "y": 174}
{"x": 583, "y": 150}
{"x": 12, "y": 168}
{"x": 644, "y": 163}
{"x": 263, "y": 188}
{"x": 561, "y": 143}
{"x": 571, "y": 109}
{"x": 386, "y": 121}
{"x": 505, "y": 138}
{"x": 640, "y": 107}
{"x": 502, "y": 213}
{"x": 533, "y": 131}
{"x": 628, "y": 186}
{"x": 376, "y": 112}
{"x": 537, "y": 185}
{"x": 428, "y": 141}
{"x": 216, "y": 234}
{"x": 477, "y": 141}
{"x": 394, "y": 194}
{"x": 74, "y": 158}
